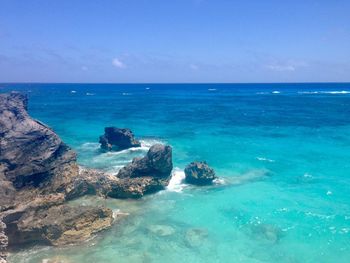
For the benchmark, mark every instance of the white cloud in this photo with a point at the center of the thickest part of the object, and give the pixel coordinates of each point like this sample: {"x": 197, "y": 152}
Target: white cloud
{"x": 118, "y": 63}
{"x": 281, "y": 67}
{"x": 290, "y": 66}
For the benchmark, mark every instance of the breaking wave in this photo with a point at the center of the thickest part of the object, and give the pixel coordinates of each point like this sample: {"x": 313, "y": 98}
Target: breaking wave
{"x": 111, "y": 162}
{"x": 176, "y": 183}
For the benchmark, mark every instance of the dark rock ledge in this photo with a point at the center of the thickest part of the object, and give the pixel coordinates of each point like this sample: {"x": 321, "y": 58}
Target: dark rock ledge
{"x": 39, "y": 174}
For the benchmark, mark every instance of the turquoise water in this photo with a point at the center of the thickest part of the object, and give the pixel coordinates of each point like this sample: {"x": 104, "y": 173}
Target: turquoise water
{"x": 281, "y": 152}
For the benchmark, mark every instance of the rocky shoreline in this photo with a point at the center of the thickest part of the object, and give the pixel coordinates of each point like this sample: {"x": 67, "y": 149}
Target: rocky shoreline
{"x": 39, "y": 175}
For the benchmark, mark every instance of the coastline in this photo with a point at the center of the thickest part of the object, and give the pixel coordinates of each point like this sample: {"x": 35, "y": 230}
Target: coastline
{"x": 277, "y": 190}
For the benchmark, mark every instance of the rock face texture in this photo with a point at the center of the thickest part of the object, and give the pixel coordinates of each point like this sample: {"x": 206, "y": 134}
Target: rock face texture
{"x": 118, "y": 139}
{"x": 37, "y": 171}
{"x": 145, "y": 175}
{"x": 30, "y": 152}
{"x": 3, "y": 243}
{"x": 142, "y": 176}
{"x": 57, "y": 225}
{"x": 199, "y": 173}
{"x": 157, "y": 163}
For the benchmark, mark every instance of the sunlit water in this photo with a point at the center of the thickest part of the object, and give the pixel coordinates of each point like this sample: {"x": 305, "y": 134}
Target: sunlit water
{"x": 282, "y": 153}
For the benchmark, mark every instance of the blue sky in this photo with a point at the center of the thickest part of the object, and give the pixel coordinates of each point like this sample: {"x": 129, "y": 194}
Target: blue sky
{"x": 174, "y": 41}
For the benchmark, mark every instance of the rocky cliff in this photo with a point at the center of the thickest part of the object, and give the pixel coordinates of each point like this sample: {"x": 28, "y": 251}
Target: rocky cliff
{"x": 37, "y": 170}
{"x": 39, "y": 174}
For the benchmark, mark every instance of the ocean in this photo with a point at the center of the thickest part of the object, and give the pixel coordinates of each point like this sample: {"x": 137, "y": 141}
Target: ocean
{"x": 281, "y": 151}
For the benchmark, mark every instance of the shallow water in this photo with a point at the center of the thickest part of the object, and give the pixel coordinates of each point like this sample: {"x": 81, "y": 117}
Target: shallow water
{"x": 281, "y": 151}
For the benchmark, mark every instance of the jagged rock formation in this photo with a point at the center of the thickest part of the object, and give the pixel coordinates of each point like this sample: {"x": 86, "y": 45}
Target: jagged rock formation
{"x": 36, "y": 172}
{"x": 142, "y": 176}
{"x": 157, "y": 163}
{"x": 119, "y": 139}
{"x": 39, "y": 173}
{"x": 31, "y": 154}
{"x": 199, "y": 173}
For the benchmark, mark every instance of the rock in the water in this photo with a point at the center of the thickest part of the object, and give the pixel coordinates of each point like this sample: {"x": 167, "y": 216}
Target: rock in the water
{"x": 95, "y": 182}
{"x": 31, "y": 153}
{"x": 199, "y": 173}
{"x": 144, "y": 175}
{"x": 119, "y": 139}
{"x": 266, "y": 232}
{"x": 161, "y": 230}
{"x": 157, "y": 164}
{"x": 195, "y": 237}
{"x": 57, "y": 225}
{"x": 137, "y": 187}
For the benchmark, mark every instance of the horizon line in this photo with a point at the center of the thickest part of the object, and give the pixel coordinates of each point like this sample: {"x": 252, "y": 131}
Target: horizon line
{"x": 176, "y": 83}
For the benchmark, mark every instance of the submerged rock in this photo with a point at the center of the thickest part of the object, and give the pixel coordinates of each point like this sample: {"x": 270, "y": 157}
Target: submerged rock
{"x": 266, "y": 232}
{"x": 195, "y": 237}
{"x": 118, "y": 138}
{"x": 161, "y": 230}
{"x": 199, "y": 173}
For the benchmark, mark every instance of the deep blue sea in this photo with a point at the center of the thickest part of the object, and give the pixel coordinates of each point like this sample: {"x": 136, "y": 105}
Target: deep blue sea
{"x": 282, "y": 152}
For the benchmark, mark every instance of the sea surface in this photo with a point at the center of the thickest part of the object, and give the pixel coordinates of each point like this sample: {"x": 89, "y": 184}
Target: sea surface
{"x": 281, "y": 151}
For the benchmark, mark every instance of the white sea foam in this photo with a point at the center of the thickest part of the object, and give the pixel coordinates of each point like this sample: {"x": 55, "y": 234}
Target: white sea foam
{"x": 126, "y": 94}
{"x": 338, "y": 92}
{"x": 126, "y": 151}
{"x": 147, "y": 143}
{"x": 332, "y": 92}
{"x": 90, "y": 146}
{"x": 90, "y": 94}
{"x": 117, "y": 213}
{"x": 276, "y": 92}
{"x": 115, "y": 169}
{"x": 263, "y": 159}
{"x": 113, "y": 161}
{"x": 148, "y": 88}
{"x": 219, "y": 181}
{"x": 321, "y": 216}
{"x": 73, "y": 91}
{"x": 212, "y": 89}
{"x": 176, "y": 183}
